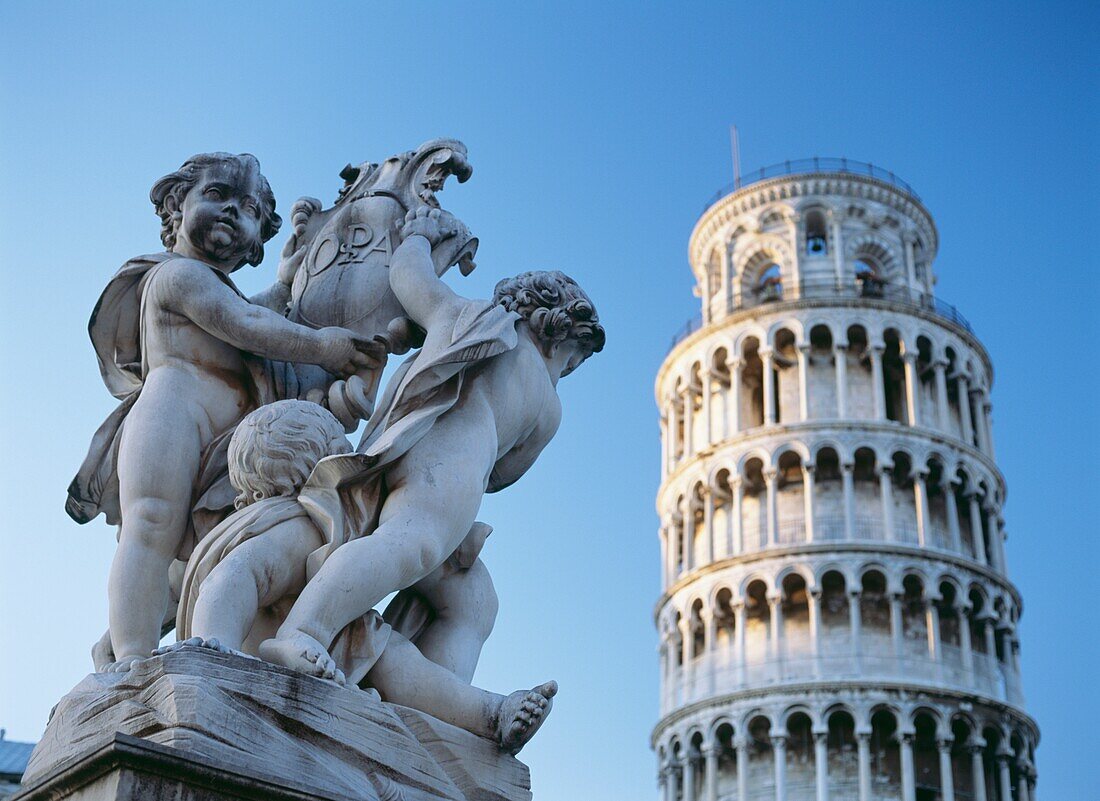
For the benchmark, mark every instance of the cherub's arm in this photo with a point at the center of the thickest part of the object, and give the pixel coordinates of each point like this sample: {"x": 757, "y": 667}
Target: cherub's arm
{"x": 194, "y": 291}
{"x": 419, "y": 290}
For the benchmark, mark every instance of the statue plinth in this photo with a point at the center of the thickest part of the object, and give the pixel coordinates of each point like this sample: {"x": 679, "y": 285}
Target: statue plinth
{"x": 199, "y": 725}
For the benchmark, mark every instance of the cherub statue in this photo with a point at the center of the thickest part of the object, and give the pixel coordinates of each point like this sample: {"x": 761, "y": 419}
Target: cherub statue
{"x": 469, "y": 413}
{"x": 186, "y": 354}
{"x": 242, "y": 578}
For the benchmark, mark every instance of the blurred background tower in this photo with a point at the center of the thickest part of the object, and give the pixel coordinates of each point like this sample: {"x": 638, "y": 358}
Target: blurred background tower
{"x": 836, "y": 620}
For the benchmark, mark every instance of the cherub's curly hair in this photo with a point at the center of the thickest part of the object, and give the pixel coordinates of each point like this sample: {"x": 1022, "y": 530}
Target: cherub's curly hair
{"x": 177, "y": 184}
{"x": 276, "y": 447}
{"x": 554, "y": 306}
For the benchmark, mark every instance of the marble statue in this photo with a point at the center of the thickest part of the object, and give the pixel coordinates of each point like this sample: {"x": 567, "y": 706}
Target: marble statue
{"x": 243, "y": 577}
{"x": 248, "y": 522}
{"x": 468, "y": 413}
{"x": 178, "y": 344}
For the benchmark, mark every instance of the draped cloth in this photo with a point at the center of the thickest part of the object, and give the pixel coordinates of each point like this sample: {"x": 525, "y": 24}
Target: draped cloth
{"x": 344, "y": 493}
{"x": 356, "y": 648}
{"x": 117, "y": 330}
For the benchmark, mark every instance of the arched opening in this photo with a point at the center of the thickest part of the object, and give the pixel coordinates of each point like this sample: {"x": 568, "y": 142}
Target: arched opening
{"x": 967, "y": 533}
{"x": 697, "y": 546}
{"x": 874, "y": 608}
{"x": 962, "y": 773}
{"x": 836, "y": 636}
{"x": 698, "y": 630}
{"x": 796, "y": 623}
{"x": 754, "y": 513}
{"x": 787, "y": 389}
{"x": 828, "y": 496}
{"x": 926, "y": 383}
{"x": 937, "y": 534}
{"x": 893, "y": 377}
{"x": 950, "y": 632}
{"x": 843, "y": 756}
{"x": 817, "y": 243}
{"x": 693, "y": 402}
{"x": 676, "y": 534}
{"x": 719, "y": 388}
{"x": 722, "y": 521}
{"x": 725, "y": 621}
{"x": 955, "y": 424}
{"x": 757, "y": 625}
{"x": 914, "y": 618}
{"x": 821, "y": 374}
{"x": 761, "y": 767}
{"x": 885, "y": 755}
{"x": 992, "y": 739}
{"x": 926, "y": 759}
{"x": 791, "y": 500}
{"x": 800, "y": 755}
{"x": 868, "y": 522}
{"x": 693, "y": 763}
{"x": 904, "y": 499}
{"x": 677, "y": 641}
{"x": 868, "y": 276}
{"x": 769, "y": 284}
{"x": 752, "y": 384}
{"x": 727, "y": 755}
{"x": 858, "y": 370}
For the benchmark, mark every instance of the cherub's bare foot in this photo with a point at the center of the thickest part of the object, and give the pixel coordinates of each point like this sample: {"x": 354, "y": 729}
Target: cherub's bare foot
{"x": 521, "y": 714}
{"x": 298, "y": 651}
{"x": 124, "y": 664}
{"x": 198, "y": 642}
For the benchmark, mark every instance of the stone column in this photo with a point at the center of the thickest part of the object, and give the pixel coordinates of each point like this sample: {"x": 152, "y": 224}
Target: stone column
{"x": 910, "y": 263}
{"x": 963, "y": 391}
{"x": 689, "y": 776}
{"x": 1022, "y": 786}
{"x": 665, "y": 461}
{"x": 838, "y": 257}
{"x": 739, "y": 617}
{"x": 947, "y": 777}
{"x": 675, "y": 545}
{"x": 979, "y": 419}
{"x": 708, "y": 523}
{"x": 878, "y": 388}
{"x": 687, "y": 535}
{"x": 846, "y": 471}
{"x": 808, "y": 500}
{"x": 886, "y": 491}
{"x": 908, "y": 779}
{"x": 977, "y": 533}
{"x": 673, "y": 433}
{"x": 770, "y": 474}
{"x": 769, "y": 385}
{"x": 741, "y": 745}
{"x": 912, "y": 398}
{"x": 821, "y": 765}
{"x": 840, "y": 355}
{"x": 1004, "y": 774}
{"x": 990, "y": 636}
{"x": 734, "y": 411}
{"x": 710, "y": 637}
{"x": 803, "y": 382}
{"x": 775, "y": 604}
{"x": 689, "y": 420}
{"x": 897, "y": 630}
{"x": 966, "y": 647}
{"x": 932, "y": 618}
{"x": 664, "y": 783}
{"x": 949, "y": 488}
{"x": 796, "y": 254}
{"x": 977, "y": 771}
{"x": 863, "y": 750}
{"x": 708, "y": 427}
{"x": 855, "y": 623}
{"x": 687, "y": 639}
{"x": 779, "y": 752}
{"x": 943, "y": 417}
{"x": 813, "y": 601}
{"x": 920, "y": 497}
{"x": 996, "y": 552}
{"x": 987, "y": 418}
{"x": 710, "y": 773}
{"x": 736, "y": 491}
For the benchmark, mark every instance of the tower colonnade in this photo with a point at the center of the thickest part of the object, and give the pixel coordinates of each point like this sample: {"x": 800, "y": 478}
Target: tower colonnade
{"x": 836, "y": 619}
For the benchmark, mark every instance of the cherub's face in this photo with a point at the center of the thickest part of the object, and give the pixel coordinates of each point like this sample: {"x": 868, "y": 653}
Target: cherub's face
{"x": 221, "y": 214}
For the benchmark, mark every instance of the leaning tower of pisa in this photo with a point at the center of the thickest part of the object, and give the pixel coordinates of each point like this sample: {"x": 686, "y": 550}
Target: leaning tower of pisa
{"x": 836, "y": 618}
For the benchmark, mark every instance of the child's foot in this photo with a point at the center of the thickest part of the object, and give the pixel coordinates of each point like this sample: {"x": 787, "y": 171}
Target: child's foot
{"x": 124, "y": 664}
{"x": 298, "y": 651}
{"x": 521, "y": 714}
{"x": 198, "y": 642}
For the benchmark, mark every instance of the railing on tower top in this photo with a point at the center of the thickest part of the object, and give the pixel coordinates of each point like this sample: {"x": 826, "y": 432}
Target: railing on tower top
{"x": 815, "y": 164}
{"x": 870, "y": 290}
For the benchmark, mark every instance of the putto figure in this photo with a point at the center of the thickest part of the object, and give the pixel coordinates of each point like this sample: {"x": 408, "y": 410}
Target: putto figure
{"x": 185, "y": 352}
{"x": 244, "y": 575}
{"x": 469, "y": 413}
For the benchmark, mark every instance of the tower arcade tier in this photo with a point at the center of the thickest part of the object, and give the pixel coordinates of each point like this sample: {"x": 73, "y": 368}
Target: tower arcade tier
{"x": 836, "y": 620}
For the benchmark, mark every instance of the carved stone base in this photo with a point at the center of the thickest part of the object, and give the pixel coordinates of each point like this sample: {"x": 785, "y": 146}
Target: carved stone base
{"x": 197, "y": 725}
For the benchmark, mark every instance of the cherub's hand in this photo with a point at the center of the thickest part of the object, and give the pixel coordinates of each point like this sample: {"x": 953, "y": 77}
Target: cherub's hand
{"x": 345, "y": 353}
{"x": 435, "y": 225}
{"x": 295, "y": 249}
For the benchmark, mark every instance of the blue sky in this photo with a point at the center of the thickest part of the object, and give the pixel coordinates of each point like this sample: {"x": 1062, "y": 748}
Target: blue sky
{"x": 596, "y": 132}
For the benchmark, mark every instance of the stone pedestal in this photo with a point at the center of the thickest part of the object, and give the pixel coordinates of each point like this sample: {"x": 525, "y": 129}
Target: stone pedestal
{"x": 196, "y": 725}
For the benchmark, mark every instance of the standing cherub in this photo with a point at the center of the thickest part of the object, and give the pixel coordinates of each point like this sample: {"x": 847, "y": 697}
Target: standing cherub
{"x": 178, "y": 345}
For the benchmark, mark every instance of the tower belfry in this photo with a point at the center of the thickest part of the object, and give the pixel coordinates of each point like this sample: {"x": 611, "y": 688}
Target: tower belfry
{"x": 836, "y": 620}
